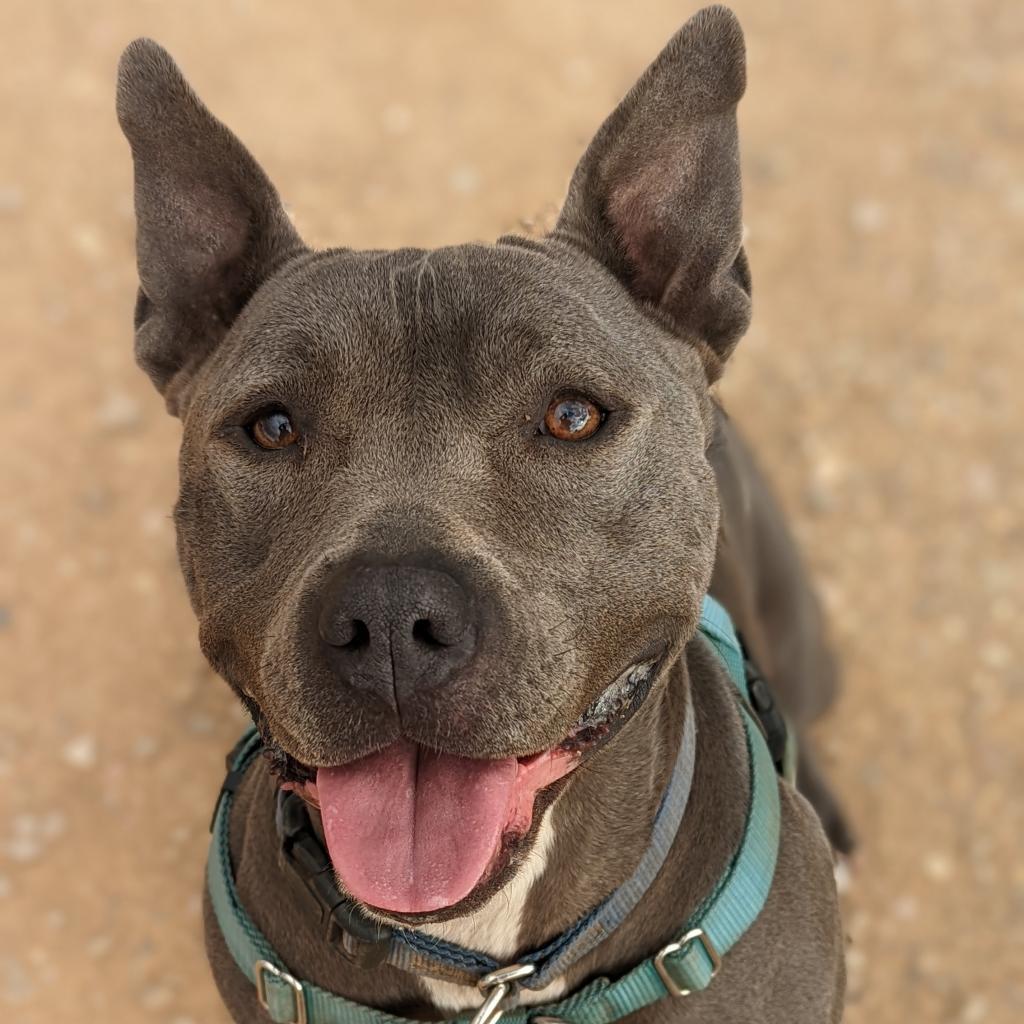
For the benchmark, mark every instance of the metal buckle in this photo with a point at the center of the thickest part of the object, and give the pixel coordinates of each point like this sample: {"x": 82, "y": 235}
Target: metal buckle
{"x": 679, "y": 946}
{"x": 497, "y": 986}
{"x": 264, "y": 967}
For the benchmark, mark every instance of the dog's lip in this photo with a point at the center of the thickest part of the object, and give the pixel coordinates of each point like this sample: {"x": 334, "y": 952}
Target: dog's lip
{"x": 597, "y": 723}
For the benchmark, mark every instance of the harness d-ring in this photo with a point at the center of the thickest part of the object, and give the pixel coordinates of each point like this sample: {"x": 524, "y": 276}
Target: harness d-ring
{"x": 497, "y": 986}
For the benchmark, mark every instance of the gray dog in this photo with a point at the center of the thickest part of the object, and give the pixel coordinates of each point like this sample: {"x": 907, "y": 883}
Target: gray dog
{"x": 447, "y": 520}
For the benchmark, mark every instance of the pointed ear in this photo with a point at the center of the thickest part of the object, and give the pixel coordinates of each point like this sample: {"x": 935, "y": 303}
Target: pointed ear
{"x": 656, "y": 197}
{"x": 210, "y": 225}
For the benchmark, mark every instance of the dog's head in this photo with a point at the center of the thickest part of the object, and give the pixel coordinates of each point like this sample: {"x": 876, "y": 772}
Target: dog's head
{"x": 446, "y": 517}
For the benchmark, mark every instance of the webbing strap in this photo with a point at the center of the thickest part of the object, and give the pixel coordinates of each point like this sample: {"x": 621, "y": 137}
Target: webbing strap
{"x": 716, "y": 627}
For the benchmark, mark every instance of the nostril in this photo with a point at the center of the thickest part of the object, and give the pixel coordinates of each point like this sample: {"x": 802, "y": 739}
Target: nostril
{"x": 423, "y": 632}
{"x": 348, "y": 634}
{"x": 360, "y": 636}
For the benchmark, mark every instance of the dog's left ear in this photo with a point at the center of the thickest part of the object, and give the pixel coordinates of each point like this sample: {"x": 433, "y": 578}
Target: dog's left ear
{"x": 211, "y": 228}
{"x": 656, "y": 197}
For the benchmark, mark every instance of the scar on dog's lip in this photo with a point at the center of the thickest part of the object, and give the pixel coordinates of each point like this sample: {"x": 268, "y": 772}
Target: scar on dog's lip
{"x": 614, "y": 705}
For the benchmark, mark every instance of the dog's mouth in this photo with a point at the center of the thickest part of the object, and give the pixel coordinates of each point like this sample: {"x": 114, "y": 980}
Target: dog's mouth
{"x": 413, "y": 831}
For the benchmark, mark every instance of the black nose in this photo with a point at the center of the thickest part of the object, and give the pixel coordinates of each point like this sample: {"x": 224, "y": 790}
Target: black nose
{"x": 395, "y": 630}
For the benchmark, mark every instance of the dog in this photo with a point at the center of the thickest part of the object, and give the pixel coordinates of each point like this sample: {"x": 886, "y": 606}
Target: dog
{"x": 447, "y": 519}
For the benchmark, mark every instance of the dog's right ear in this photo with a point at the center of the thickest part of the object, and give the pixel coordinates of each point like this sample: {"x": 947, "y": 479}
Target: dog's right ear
{"x": 210, "y": 226}
{"x": 656, "y": 197}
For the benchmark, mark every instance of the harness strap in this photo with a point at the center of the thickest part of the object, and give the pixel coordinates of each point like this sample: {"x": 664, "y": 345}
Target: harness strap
{"x": 681, "y": 967}
{"x": 558, "y": 956}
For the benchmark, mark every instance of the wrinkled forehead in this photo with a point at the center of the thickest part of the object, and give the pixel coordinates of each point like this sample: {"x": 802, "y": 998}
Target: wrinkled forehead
{"x": 437, "y": 319}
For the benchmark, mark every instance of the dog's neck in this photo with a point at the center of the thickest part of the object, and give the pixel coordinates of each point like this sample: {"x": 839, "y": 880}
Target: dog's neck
{"x": 587, "y": 845}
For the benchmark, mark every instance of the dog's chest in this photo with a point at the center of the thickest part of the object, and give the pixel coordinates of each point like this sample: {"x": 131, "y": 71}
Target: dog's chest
{"x": 494, "y": 929}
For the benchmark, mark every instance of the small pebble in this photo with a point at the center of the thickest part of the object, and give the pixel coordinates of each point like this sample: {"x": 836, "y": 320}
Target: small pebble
{"x": 80, "y": 752}
{"x": 25, "y": 824}
{"x": 397, "y": 118}
{"x": 904, "y": 908}
{"x": 938, "y": 867}
{"x": 199, "y": 723}
{"x": 156, "y": 997}
{"x": 1015, "y": 199}
{"x": 464, "y": 180}
{"x": 23, "y": 849}
{"x": 96, "y": 497}
{"x": 154, "y": 521}
{"x": 52, "y": 825}
{"x": 996, "y": 655}
{"x": 99, "y": 946}
{"x": 868, "y": 216}
{"x": 87, "y": 239}
{"x": 119, "y": 412}
{"x": 55, "y": 311}
{"x": 12, "y": 199}
{"x": 68, "y": 567}
{"x": 144, "y": 582}
{"x": 975, "y": 1010}
{"x": 577, "y": 71}
{"x": 17, "y": 985}
{"x": 145, "y": 746}
{"x": 179, "y": 835}
{"x": 982, "y": 482}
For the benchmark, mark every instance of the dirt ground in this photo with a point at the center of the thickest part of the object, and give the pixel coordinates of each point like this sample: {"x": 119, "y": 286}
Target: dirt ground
{"x": 884, "y": 200}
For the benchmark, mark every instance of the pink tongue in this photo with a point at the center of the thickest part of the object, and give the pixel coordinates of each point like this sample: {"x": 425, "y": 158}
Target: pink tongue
{"x": 409, "y": 830}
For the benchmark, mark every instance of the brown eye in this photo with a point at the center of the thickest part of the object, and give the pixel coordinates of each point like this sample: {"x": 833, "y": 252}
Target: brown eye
{"x": 273, "y": 429}
{"x": 572, "y": 418}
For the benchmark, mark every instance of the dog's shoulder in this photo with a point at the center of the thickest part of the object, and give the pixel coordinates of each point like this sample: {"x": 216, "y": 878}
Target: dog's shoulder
{"x": 791, "y": 960}
{"x": 788, "y": 968}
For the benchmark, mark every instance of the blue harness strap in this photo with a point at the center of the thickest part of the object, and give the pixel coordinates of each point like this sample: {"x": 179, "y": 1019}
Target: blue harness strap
{"x": 681, "y": 967}
{"x": 716, "y": 627}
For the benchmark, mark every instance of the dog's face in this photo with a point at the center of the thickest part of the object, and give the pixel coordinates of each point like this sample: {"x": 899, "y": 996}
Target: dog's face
{"x": 445, "y": 517}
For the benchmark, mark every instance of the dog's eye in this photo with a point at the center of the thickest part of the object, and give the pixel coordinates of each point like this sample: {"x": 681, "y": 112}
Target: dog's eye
{"x": 572, "y": 418}
{"x": 273, "y": 428}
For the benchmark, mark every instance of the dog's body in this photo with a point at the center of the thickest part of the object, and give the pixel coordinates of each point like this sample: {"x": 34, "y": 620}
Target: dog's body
{"x": 432, "y": 503}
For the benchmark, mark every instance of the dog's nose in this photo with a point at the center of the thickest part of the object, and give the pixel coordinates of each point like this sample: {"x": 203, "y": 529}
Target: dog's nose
{"x": 396, "y": 629}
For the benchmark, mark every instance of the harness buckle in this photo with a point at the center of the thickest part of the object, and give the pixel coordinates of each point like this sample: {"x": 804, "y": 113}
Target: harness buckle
{"x": 264, "y": 967}
{"x": 682, "y": 945}
{"x": 769, "y": 715}
{"x": 362, "y": 941}
{"x": 496, "y": 986}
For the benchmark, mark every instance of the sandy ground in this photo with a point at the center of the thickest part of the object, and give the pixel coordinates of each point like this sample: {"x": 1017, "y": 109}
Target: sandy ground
{"x": 885, "y": 201}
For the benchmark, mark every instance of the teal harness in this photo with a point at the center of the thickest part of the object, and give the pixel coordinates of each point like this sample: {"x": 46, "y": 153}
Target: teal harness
{"x": 684, "y": 966}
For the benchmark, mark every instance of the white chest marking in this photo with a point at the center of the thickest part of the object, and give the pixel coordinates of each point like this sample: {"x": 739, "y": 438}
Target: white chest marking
{"x": 494, "y": 929}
